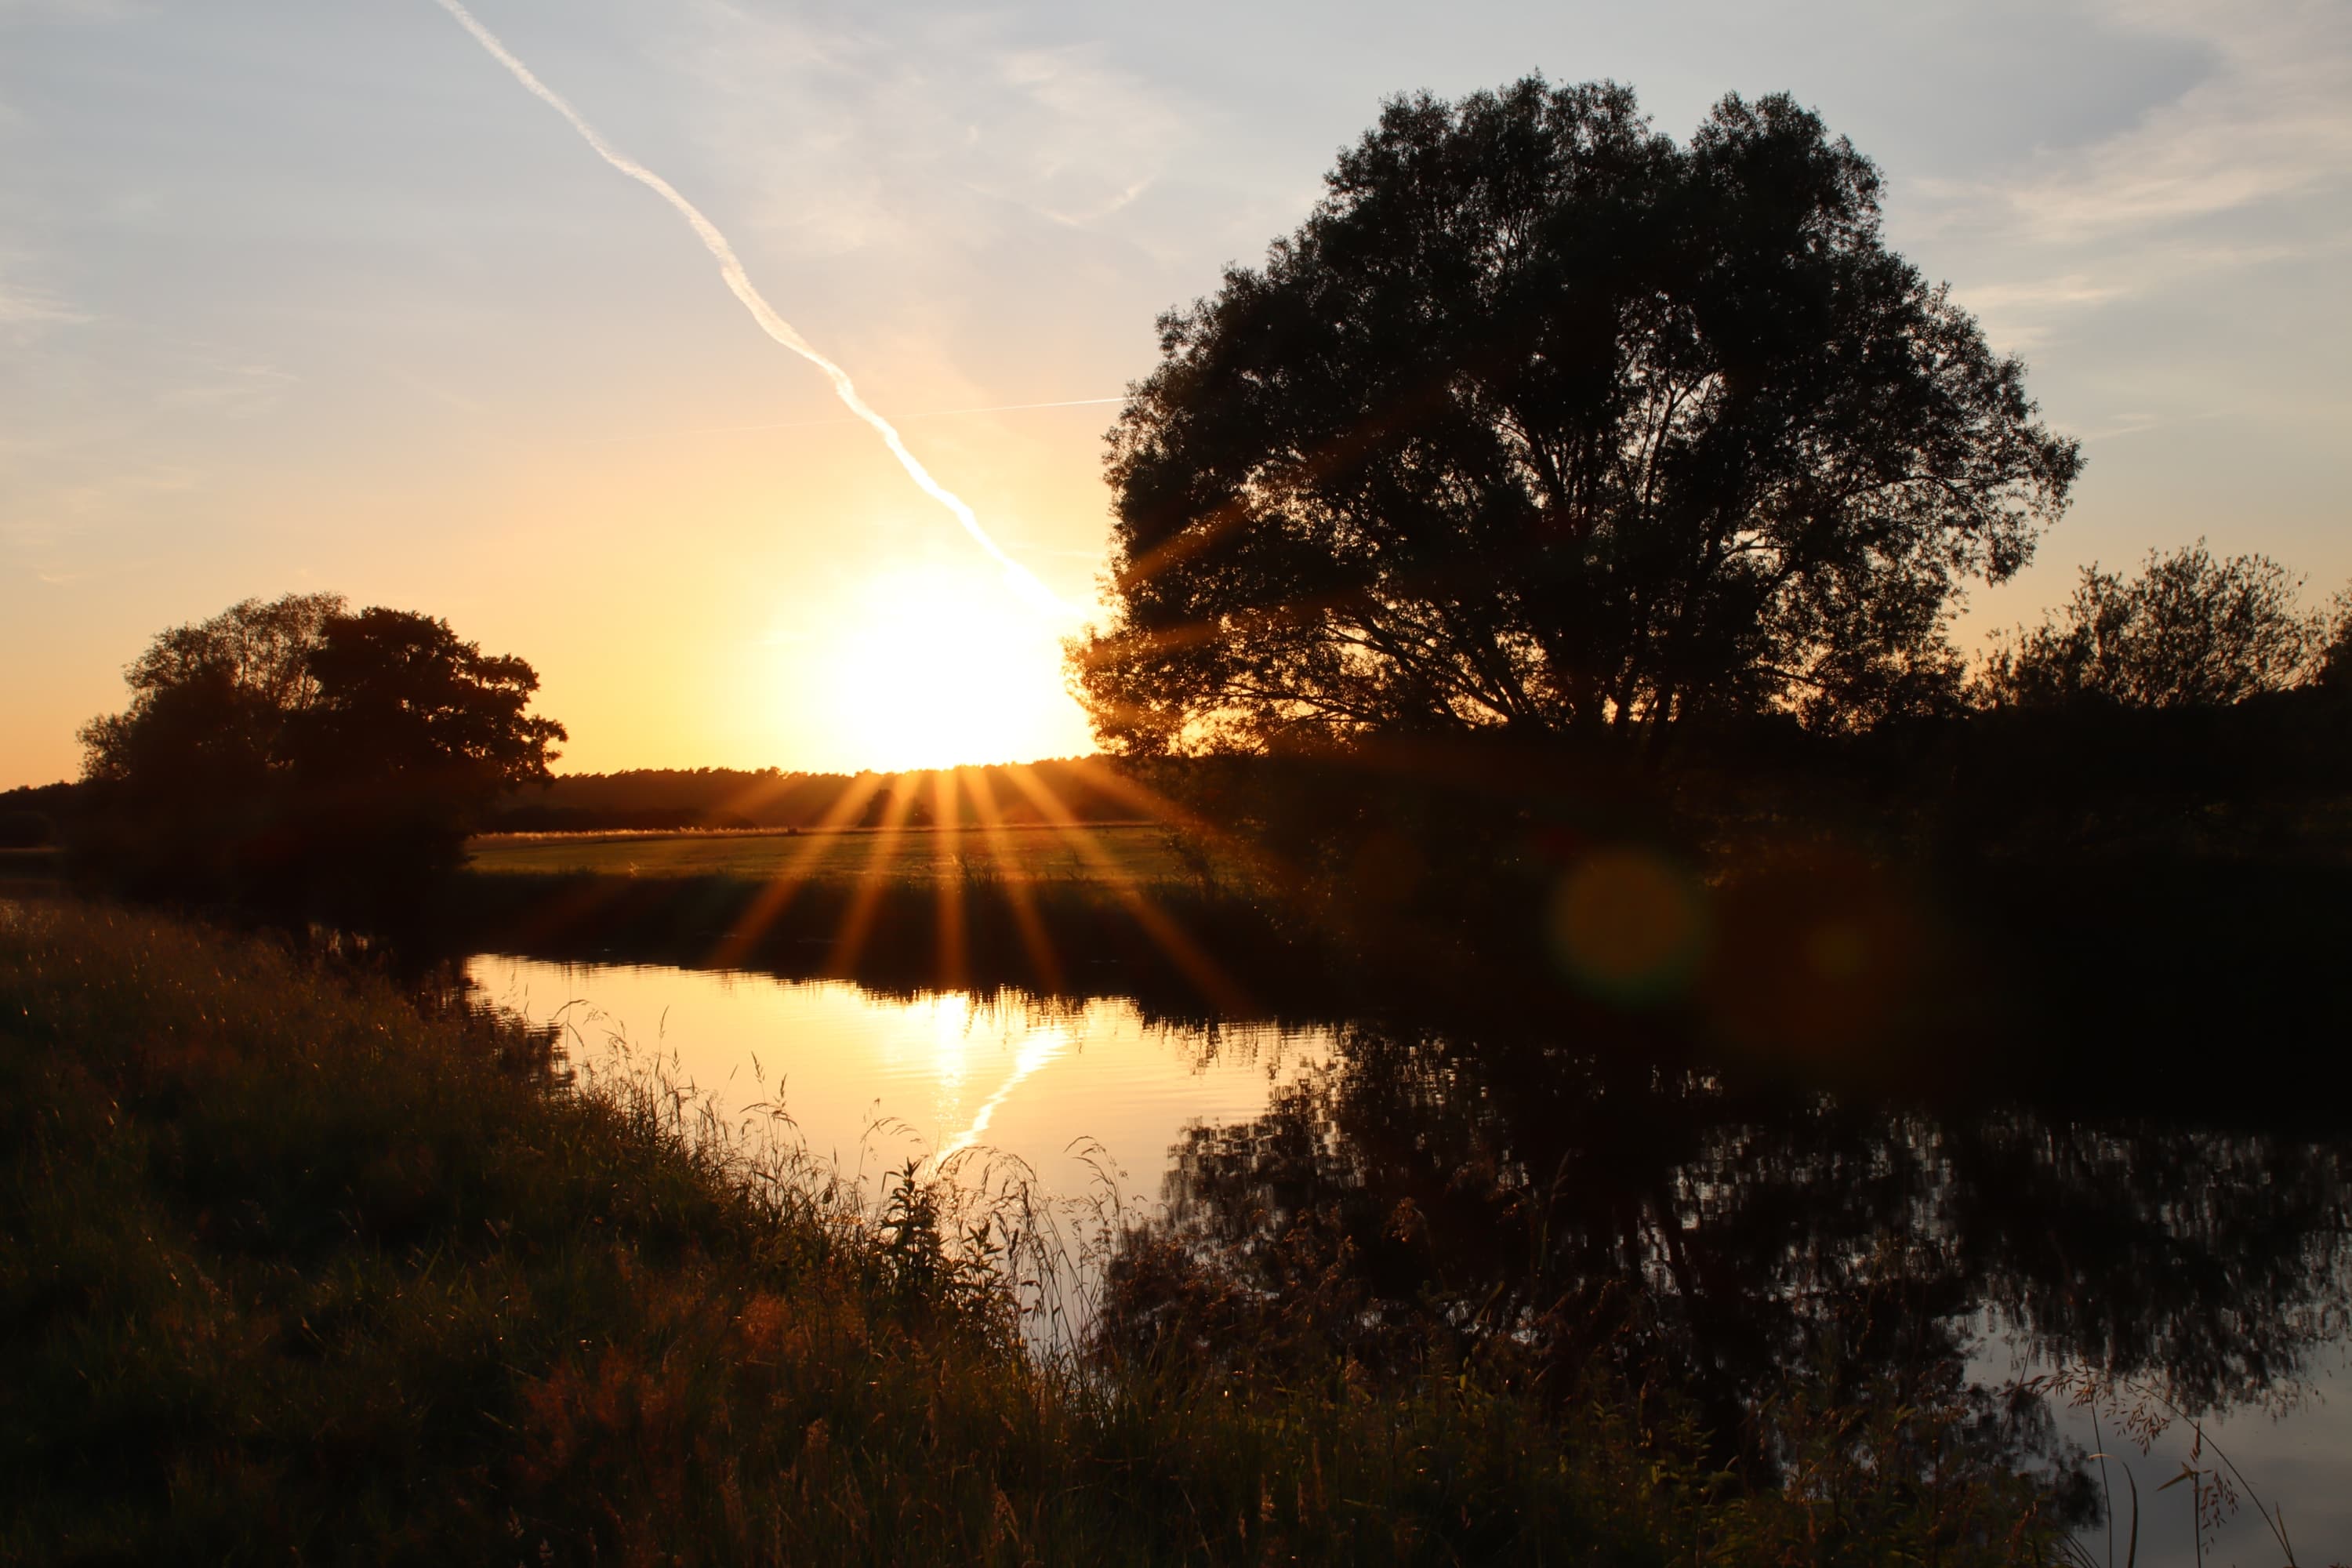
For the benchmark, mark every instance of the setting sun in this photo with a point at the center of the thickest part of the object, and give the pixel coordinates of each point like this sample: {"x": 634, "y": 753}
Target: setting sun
{"x": 930, "y": 665}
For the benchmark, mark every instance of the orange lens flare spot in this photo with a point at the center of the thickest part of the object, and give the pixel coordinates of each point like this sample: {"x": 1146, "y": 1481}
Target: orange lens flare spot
{"x": 1629, "y": 925}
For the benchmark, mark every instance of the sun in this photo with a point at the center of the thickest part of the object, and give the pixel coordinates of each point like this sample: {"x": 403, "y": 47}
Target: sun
{"x": 931, "y": 667}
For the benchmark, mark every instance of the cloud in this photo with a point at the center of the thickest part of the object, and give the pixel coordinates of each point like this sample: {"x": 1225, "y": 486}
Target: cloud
{"x": 21, "y": 306}
{"x": 2271, "y": 120}
{"x": 917, "y": 135}
{"x": 2248, "y": 165}
{"x": 233, "y": 392}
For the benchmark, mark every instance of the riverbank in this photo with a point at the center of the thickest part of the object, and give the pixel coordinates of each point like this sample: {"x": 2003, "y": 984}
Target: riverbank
{"x": 292, "y": 1265}
{"x": 2102, "y": 980}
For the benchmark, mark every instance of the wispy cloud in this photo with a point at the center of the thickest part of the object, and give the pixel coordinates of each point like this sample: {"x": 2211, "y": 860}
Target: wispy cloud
{"x": 2271, "y": 120}
{"x": 234, "y": 391}
{"x": 45, "y": 515}
{"x": 860, "y": 137}
{"x": 2248, "y": 165}
{"x": 25, "y": 306}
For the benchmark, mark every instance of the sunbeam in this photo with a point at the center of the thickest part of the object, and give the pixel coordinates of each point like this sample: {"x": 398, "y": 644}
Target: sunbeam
{"x": 777, "y": 892}
{"x": 1197, "y": 966}
{"x": 1043, "y": 962}
{"x": 953, "y": 963}
{"x": 858, "y": 921}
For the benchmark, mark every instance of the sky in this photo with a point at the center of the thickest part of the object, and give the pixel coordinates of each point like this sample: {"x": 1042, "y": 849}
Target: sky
{"x": 303, "y": 297}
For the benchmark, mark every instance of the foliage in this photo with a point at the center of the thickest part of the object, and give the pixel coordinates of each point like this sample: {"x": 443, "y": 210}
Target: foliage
{"x": 285, "y": 748}
{"x": 1543, "y": 422}
{"x": 2190, "y": 630}
{"x": 211, "y": 702}
{"x": 292, "y": 1269}
{"x": 2335, "y": 674}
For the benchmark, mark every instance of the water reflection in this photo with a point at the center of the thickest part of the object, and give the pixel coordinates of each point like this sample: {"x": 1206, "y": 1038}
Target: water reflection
{"x": 1738, "y": 1230}
{"x": 1553, "y": 1195}
{"x": 869, "y": 1079}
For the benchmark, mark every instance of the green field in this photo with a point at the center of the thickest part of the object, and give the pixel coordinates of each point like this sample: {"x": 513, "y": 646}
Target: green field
{"x": 1125, "y": 853}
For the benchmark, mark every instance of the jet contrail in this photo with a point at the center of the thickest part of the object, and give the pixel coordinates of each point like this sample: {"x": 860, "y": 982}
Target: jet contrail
{"x": 730, "y": 267}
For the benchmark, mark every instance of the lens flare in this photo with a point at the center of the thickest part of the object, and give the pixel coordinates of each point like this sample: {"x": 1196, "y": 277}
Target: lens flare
{"x": 1628, "y": 926}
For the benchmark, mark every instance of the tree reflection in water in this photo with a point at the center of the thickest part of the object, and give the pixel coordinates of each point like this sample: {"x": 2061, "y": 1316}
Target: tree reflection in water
{"x": 1417, "y": 1188}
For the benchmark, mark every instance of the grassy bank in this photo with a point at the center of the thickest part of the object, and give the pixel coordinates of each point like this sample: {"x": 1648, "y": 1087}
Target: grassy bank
{"x": 291, "y": 1267}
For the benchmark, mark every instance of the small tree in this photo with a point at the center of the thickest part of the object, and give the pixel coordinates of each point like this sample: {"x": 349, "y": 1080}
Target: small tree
{"x": 1544, "y": 424}
{"x": 2335, "y": 673}
{"x": 210, "y": 701}
{"x": 2191, "y": 630}
{"x": 288, "y": 748}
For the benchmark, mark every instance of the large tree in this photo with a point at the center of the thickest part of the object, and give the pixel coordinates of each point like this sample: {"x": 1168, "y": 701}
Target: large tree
{"x": 1543, "y": 422}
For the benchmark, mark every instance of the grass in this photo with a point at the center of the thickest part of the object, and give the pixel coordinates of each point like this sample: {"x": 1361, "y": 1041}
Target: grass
{"x": 1125, "y": 854}
{"x": 294, "y": 1267}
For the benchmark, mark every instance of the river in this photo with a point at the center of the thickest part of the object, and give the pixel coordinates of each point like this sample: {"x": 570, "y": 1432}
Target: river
{"x": 2208, "y": 1267}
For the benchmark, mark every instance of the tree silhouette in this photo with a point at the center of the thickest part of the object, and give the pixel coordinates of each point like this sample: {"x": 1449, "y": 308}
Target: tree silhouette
{"x": 414, "y": 735}
{"x": 1542, "y": 422}
{"x": 291, "y": 750}
{"x": 2190, "y": 630}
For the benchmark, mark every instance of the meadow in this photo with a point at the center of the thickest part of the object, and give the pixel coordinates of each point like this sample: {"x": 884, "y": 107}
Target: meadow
{"x": 1125, "y": 854}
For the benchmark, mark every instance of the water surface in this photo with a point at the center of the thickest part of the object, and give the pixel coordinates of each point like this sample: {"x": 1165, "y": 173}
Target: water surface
{"x": 1079, "y": 1090}
{"x": 1489, "y": 1181}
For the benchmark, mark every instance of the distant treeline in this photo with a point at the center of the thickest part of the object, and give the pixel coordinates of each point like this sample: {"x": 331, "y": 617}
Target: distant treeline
{"x": 29, "y": 816}
{"x": 664, "y": 799}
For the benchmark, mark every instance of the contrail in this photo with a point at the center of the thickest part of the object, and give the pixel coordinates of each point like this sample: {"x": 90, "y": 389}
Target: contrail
{"x": 730, "y": 267}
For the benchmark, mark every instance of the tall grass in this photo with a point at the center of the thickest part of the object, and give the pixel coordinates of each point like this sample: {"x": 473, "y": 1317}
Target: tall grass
{"x": 292, "y": 1267}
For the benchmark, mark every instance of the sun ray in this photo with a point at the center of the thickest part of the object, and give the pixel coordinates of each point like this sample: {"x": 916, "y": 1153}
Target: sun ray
{"x": 866, "y": 903}
{"x": 1043, "y": 962}
{"x": 1159, "y": 807}
{"x": 954, "y": 959}
{"x": 777, "y": 892}
{"x": 1206, "y": 975}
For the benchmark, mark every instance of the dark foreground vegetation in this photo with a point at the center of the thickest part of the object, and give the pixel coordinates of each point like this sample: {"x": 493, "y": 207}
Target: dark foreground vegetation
{"x": 292, "y": 1267}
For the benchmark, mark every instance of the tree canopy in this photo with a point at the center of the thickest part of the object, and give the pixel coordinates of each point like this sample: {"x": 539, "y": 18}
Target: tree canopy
{"x": 292, "y": 744}
{"x": 2190, "y": 630}
{"x": 1544, "y": 422}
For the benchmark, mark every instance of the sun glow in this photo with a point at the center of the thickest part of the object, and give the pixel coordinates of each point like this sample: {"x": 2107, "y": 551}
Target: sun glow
{"x": 932, "y": 667}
